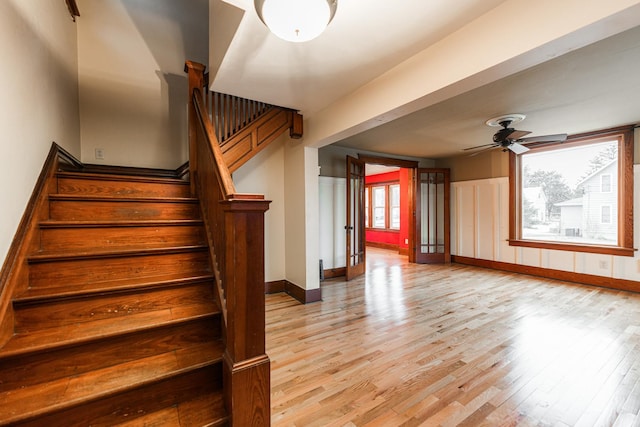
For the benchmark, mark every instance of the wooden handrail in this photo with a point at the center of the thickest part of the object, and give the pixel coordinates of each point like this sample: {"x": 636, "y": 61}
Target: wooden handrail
{"x": 235, "y": 230}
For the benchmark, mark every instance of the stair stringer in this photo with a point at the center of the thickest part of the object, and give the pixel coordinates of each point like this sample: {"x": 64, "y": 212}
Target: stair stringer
{"x": 258, "y": 134}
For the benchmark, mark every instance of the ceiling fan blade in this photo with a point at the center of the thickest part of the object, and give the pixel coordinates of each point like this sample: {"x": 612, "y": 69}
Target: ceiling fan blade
{"x": 493, "y": 144}
{"x": 516, "y": 134}
{"x": 517, "y": 148}
{"x": 558, "y": 137}
{"x": 483, "y": 150}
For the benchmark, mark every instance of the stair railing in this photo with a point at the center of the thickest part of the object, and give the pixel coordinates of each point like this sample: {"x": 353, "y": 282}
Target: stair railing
{"x": 235, "y": 227}
{"x": 231, "y": 113}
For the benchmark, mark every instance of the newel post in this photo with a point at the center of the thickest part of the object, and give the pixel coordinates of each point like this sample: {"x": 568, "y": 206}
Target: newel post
{"x": 195, "y": 72}
{"x": 246, "y": 365}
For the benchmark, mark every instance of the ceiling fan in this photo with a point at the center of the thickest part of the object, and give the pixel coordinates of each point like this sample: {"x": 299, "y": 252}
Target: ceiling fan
{"x": 509, "y": 138}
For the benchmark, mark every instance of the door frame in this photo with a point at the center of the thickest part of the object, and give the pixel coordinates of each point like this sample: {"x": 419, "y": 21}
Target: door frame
{"x": 413, "y": 176}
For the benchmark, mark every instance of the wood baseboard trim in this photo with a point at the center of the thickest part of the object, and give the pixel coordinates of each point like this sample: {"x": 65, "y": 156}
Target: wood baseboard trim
{"x": 13, "y": 274}
{"x": 382, "y": 245}
{"x": 275, "y": 287}
{"x": 304, "y": 296}
{"x": 567, "y": 276}
{"x": 403, "y": 251}
{"x": 334, "y": 272}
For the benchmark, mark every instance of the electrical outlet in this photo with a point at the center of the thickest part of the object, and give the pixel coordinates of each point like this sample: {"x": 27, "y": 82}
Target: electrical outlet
{"x": 99, "y": 154}
{"x": 603, "y": 265}
{"x": 406, "y": 241}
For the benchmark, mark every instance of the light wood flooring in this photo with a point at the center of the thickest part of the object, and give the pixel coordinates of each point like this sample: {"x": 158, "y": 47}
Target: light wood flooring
{"x": 410, "y": 345}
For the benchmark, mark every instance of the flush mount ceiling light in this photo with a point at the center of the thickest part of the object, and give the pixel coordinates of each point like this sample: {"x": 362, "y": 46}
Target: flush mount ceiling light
{"x": 296, "y": 20}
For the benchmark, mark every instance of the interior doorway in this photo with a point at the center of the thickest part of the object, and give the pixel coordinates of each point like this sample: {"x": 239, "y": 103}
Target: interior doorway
{"x": 380, "y": 208}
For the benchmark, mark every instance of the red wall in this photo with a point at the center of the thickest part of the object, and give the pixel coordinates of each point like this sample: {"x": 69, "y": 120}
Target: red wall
{"x": 393, "y": 237}
{"x": 404, "y": 208}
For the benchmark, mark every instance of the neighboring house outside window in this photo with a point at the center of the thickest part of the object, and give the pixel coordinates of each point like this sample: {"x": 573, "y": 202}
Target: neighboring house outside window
{"x": 600, "y": 193}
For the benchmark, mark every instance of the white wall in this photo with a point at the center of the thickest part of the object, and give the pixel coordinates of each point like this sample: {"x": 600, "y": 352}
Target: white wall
{"x": 133, "y": 90}
{"x": 480, "y": 229}
{"x": 332, "y": 220}
{"x": 39, "y": 102}
{"x": 264, "y": 174}
{"x": 301, "y": 215}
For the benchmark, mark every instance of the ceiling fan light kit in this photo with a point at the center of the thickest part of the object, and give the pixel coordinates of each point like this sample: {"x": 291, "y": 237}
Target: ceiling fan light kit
{"x": 296, "y": 20}
{"x": 509, "y": 138}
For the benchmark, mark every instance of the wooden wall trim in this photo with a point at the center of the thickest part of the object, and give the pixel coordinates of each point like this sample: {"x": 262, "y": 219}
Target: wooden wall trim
{"x": 275, "y": 287}
{"x": 304, "y": 296}
{"x": 14, "y": 268}
{"x": 330, "y": 273}
{"x": 567, "y": 276}
{"x": 72, "y": 6}
{"x": 380, "y": 245}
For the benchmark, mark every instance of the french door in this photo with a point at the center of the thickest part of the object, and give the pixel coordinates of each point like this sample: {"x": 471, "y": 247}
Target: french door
{"x": 432, "y": 216}
{"x": 355, "y": 218}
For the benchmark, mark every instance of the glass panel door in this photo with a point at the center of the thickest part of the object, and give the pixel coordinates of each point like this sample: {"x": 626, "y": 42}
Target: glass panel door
{"x": 355, "y": 218}
{"x": 432, "y": 228}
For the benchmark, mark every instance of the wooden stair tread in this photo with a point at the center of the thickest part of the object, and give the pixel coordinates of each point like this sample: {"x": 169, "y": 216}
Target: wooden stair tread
{"x": 93, "y": 288}
{"x": 120, "y": 177}
{"x": 196, "y": 410}
{"x": 120, "y": 223}
{"x": 88, "y": 197}
{"x": 45, "y": 339}
{"x": 111, "y": 253}
{"x": 28, "y": 402}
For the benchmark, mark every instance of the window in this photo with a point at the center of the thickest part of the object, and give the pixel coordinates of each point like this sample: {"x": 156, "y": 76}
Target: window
{"x": 379, "y": 197}
{"x": 605, "y": 215}
{"x": 576, "y": 195}
{"x": 394, "y": 201}
{"x": 366, "y": 208}
{"x": 384, "y": 212}
{"x": 605, "y": 183}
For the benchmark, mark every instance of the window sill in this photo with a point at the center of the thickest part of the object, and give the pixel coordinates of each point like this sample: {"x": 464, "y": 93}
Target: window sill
{"x": 594, "y": 249}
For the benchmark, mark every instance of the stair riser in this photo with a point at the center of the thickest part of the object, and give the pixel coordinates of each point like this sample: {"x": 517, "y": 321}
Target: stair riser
{"x": 71, "y": 272}
{"x": 48, "y": 366}
{"x": 85, "y": 238}
{"x": 33, "y": 316}
{"x": 98, "y": 187}
{"x": 127, "y": 406}
{"x": 121, "y": 210}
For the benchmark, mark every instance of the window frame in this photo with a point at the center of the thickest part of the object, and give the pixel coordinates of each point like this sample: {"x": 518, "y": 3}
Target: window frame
{"x": 624, "y": 247}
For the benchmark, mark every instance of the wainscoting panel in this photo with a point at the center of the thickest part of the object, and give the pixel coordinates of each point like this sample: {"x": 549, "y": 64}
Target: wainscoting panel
{"x": 333, "y": 195}
{"x": 480, "y": 229}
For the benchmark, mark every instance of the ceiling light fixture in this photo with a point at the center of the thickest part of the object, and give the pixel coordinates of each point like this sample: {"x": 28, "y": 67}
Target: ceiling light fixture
{"x": 296, "y": 20}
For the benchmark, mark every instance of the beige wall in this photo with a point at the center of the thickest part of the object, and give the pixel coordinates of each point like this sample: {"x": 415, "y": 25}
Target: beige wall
{"x": 490, "y": 164}
{"x": 264, "y": 174}
{"x": 301, "y": 215}
{"x": 39, "y": 102}
{"x": 494, "y": 163}
{"x": 133, "y": 90}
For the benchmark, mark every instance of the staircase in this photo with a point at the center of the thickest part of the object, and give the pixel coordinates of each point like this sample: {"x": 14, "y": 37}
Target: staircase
{"x": 117, "y": 323}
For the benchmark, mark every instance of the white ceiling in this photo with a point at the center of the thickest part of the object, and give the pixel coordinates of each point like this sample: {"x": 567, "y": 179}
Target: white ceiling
{"x": 586, "y": 89}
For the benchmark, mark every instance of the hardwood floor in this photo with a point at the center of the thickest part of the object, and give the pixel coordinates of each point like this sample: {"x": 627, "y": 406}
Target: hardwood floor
{"x": 410, "y": 345}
